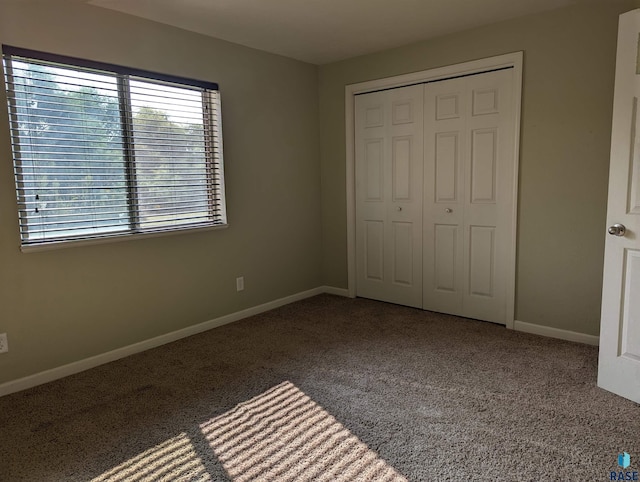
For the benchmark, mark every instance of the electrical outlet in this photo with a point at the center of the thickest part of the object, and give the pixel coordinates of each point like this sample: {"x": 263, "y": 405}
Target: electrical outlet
{"x": 4, "y": 343}
{"x": 240, "y": 283}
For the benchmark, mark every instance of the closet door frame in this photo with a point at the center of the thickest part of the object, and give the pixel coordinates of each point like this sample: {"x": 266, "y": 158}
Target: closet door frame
{"x": 512, "y": 60}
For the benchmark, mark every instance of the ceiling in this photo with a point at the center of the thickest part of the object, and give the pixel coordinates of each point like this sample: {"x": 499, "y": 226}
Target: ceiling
{"x": 323, "y": 31}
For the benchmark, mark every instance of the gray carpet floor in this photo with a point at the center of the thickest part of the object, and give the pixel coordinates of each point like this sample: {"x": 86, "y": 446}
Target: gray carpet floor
{"x": 394, "y": 392}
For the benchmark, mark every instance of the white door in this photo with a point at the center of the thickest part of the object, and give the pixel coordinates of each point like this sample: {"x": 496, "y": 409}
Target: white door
{"x": 469, "y": 195}
{"x": 619, "y": 363}
{"x": 389, "y": 165}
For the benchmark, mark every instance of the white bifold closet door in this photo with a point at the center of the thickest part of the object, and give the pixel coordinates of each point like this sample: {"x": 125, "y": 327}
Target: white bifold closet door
{"x": 434, "y": 195}
{"x": 389, "y": 164}
{"x": 468, "y": 195}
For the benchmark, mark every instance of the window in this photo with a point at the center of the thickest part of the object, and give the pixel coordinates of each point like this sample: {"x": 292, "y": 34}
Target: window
{"x": 101, "y": 150}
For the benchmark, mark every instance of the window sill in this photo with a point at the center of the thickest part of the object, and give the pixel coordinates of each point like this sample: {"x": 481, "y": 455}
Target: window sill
{"x": 72, "y": 243}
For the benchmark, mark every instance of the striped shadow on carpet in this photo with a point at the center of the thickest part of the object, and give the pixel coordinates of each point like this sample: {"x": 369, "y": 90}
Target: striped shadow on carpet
{"x": 175, "y": 459}
{"x": 280, "y": 435}
{"x": 284, "y": 435}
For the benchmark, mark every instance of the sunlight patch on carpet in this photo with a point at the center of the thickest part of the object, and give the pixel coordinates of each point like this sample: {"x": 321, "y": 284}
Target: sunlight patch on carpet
{"x": 173, "y": 460}
{"x": 284, "y": 435}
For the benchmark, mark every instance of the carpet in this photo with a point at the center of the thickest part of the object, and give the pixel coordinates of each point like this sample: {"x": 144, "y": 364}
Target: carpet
{"x": 369, "y": 391}
{"x": 284, "y": 435}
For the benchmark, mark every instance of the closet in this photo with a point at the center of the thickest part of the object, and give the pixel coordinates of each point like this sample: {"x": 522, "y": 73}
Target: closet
{"x": 434, "y": 194}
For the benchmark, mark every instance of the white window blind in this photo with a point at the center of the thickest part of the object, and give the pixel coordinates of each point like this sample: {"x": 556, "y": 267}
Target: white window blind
{"x": 102, "y": 150}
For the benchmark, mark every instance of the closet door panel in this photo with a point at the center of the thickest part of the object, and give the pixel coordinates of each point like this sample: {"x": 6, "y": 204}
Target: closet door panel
{"x": 389, "y": 166}
{"x": 488, "y": 190}
{"x": 469, "y": 185}
{"x": 445, "y": 112}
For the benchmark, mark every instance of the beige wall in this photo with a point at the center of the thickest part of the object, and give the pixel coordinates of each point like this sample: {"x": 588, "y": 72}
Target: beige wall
{"x": 286, "y": 202}
{"x": 566, "y": 127}
{"x": 65, "y": 305}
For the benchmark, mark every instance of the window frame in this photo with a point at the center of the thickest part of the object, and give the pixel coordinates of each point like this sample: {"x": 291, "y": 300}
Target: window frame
{"x": 212, "y": 133}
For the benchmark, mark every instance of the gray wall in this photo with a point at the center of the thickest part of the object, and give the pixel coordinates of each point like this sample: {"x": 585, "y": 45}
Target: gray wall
{"x": 566, "y": 129}
{"x": 65, "y": 305}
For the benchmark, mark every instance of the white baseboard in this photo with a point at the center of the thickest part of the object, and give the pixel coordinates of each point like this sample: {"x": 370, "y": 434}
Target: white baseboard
{"x": 94, "y": 361}
{"x": 556, "y": 333}
{"x": 332, "y": 290}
